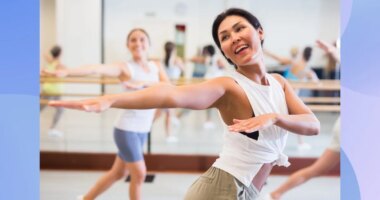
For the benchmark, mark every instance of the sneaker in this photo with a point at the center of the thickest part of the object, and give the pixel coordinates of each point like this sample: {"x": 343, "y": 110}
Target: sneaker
{"x": 80, "y": 197}
{"x": 209, "y": 125}
{"x": 171, "y": 139}
{"x": 55, "y": 133}
{"x": 304, "y": 146}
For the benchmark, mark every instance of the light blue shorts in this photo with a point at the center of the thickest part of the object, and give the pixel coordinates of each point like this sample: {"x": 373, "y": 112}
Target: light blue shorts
{"x": 130, "y": 144}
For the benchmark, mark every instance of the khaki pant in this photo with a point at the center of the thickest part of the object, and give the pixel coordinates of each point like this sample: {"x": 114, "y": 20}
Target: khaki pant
{"x": 216, "y": 184}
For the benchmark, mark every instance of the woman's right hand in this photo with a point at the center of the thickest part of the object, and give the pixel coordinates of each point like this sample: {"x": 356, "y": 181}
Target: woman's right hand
{"x": 97, "y": 105}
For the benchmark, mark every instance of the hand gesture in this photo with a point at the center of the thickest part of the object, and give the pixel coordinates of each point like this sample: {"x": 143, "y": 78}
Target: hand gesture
{"x": 253, "y": 124}
{"x": 99, "y": 104}
{"x": 324, "y": 46}
{"x": 132, "y": 85}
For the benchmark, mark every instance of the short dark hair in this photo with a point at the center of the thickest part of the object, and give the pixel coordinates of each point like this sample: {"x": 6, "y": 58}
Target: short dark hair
{"x": 55, "y": 51}
{"x": 307, "y": 53}
{"x": 237, "y": 12}
{"x": 209, "y": 49}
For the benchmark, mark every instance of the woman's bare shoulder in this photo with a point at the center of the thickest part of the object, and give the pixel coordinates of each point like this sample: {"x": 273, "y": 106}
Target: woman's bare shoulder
{"x": 279, "y": 78}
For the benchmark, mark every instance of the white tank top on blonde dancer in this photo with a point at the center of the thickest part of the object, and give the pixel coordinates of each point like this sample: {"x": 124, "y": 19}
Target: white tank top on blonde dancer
{"x": 242, "y": 156}
{"x": 138, "y": 120}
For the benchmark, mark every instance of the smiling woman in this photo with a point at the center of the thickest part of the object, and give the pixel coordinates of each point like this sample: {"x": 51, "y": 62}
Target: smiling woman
{"x": 240, "y": 29}
{"x": 248, "y": 99}
{"x": 132, "y": 127}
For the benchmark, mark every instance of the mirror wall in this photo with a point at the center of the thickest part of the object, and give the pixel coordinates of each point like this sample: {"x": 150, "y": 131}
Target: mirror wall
{"x": 94, "y": 31}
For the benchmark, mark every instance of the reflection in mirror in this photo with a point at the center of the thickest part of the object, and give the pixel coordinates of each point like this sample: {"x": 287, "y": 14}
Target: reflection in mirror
{"x": 63, "y": 23}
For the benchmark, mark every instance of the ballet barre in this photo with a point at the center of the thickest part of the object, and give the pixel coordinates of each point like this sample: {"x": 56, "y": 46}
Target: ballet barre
{"x": 317, "y": 104}
{"x": 320, "y": 85}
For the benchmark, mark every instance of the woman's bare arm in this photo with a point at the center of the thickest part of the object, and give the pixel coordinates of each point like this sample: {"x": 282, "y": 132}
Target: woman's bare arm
{"x": 282, "y": 60}
{"x": 301, "y": 119}
{"x": 162, "y": 95}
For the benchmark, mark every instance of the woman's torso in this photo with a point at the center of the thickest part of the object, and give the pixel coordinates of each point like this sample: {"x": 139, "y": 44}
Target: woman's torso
{"x": 241, "y": 156}
{"x": 51, "y": 88}
{"x": 173, "y": 70}
{"x": 134, "y": 119}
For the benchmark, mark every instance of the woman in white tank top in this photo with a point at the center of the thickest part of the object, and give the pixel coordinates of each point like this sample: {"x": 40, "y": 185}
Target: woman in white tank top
{"x": 174, "y": 68}
{"x": 132, "y": 126}
{"x": 257, "y": 108}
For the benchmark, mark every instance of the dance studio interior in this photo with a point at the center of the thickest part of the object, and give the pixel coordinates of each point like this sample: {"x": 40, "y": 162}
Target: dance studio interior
{"x": 78, "y": 149}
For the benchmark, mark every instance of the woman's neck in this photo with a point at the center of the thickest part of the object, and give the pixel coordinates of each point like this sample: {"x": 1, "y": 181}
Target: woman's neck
{"x": 255, "y": 72}
{"x": 140, "y": 60}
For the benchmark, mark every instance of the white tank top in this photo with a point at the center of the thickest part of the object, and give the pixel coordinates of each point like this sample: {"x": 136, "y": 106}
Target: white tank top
{"x": 133, "y": 119}
{"x": 242, "y": 156}
{"x": 173, "y": 71}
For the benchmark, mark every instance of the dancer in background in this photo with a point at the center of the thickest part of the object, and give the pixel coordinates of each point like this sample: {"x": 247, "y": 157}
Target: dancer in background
{"x": 174, "y": 68}
{"x": 215, "y": 67}
{"x": 297, "y": 71}
{"x": 132, "y": 127}
{"x": 330, "y": 157}
{"x": 328, "y": 160}
{"x": 52, "y": 91}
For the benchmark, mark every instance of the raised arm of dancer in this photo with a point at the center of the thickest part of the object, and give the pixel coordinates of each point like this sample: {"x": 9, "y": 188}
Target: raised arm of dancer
{"x": 282, "y": 60}
{"x": 198, "y": 59}
{"x": 329, "y": 49}
{"x": 300, "y": 120}
{"x": 161, "y": 95}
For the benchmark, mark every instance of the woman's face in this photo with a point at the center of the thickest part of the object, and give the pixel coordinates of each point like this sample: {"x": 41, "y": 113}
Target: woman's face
{"x": 138, "y": 44}
{"x": 240, "y": 41}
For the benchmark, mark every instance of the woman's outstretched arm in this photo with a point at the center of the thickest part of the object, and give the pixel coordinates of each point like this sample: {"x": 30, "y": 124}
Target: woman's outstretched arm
{"x": 161, "y": 95}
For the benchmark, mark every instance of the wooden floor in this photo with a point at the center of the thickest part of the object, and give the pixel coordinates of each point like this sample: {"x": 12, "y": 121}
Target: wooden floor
{"x": 63, "y": 185}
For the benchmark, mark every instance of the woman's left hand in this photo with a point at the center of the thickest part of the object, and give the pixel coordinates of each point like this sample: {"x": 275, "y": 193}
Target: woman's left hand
{"x": 253, "y": 124}
{"x": 98, "y": 105}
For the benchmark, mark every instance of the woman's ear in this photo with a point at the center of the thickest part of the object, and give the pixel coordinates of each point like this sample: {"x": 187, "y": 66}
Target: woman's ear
{"x": 261, "y": 34}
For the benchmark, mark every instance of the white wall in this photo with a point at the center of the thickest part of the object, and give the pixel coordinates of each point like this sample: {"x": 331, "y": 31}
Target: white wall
{"x": 78, "y": 32}
{"x": 286, "y": 24}
{"x": 47, "y": 27}
{"x": 297, "y": 23}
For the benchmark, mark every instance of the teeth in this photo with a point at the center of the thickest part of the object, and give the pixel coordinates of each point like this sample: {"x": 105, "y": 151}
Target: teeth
{"x": 240, "y": 48}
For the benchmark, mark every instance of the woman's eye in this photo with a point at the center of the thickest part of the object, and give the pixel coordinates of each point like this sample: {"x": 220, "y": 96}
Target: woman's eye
{"x": 224, "y": 37}
{"x": 238, "y": 29}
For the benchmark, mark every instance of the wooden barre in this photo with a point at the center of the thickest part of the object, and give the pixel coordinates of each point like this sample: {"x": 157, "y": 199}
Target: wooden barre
{"x": 325, "y": 108}
{"x": 326, "y": 85}
{"x": 321, "y": 99}
{"x": 107, "y": 80}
